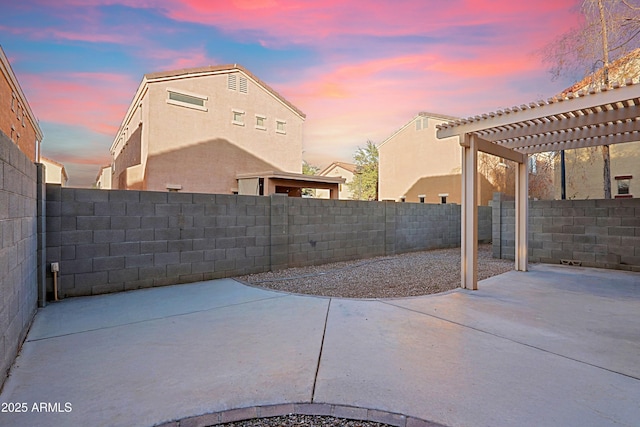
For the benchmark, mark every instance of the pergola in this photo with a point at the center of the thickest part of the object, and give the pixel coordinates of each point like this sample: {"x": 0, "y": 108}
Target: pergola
{"x": 610, "y": 115}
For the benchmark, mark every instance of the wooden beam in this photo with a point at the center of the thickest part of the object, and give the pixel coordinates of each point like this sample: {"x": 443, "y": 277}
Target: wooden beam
{"x": 499, "y": 150}
{"x": 583, "y": 143}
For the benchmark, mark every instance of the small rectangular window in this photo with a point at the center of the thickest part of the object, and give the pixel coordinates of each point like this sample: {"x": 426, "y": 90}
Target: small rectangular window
{"x": 624, "y": 182}
{"x": 243, "y": 84}
{"x": 184, "y": 99}
{"x": 261, "y": 122}
{"x": 238, "y": 117}
{"x": 421, "y": 198}
{"x": 281, "y": 126}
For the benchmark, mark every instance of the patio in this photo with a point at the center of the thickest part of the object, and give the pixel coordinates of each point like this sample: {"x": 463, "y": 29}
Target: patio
{"x": 555, "y": 346}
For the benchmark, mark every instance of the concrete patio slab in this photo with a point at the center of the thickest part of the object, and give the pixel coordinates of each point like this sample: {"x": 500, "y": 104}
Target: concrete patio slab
{"x": 557, "y": 346}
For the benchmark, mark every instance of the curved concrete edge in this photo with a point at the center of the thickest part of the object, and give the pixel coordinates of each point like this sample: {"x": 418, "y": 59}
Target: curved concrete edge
{"x": 318, "y": 409}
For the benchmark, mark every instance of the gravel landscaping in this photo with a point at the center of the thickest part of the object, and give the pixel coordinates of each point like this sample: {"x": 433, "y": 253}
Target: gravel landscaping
{"x": 405, "y": 275}
{"x": 294, "y": 420}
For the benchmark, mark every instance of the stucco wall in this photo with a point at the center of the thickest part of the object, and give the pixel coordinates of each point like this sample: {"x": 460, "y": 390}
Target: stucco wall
{"x": 18, "y": 249}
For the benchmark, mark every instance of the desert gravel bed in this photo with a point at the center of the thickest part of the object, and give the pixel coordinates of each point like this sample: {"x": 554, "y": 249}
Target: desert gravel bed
{"x": 303, "y": 420}
{"x": 411, "y": 274}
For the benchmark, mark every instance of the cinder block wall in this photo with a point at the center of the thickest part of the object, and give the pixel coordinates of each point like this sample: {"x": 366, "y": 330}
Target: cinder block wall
{"x": 598, "y": 233}
{"x": 109, "y": 240}
{"x": 18, "y": 250}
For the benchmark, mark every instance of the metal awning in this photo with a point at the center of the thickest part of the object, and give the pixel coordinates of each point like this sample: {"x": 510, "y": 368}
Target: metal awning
{"x": 610, "y": 115}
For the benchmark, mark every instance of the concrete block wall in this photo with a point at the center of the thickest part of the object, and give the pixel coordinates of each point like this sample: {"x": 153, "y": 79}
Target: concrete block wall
{"x": 18, "y": 250}
{"x": 110, "y": 241}
{"x": 596, "y": 233}
{"x": 323, "y": 231}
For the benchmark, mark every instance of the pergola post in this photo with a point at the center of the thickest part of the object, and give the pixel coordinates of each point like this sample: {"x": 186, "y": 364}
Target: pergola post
{"x": 469, "y": 228}
{"x": 522, "y": 215}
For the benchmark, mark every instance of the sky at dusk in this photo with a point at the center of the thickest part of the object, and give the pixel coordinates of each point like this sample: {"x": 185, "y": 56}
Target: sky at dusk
{"x": 358, "y": 69}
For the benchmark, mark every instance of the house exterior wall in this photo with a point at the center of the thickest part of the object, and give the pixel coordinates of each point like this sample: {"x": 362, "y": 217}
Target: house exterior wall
{"x": 16, "y": 118}
{"x": 344, "y": 192}
{"x": 53, "y": 172}
{"x": 202, "y": 150}
{"x": 584, "y": 171}
{"x": 414, "y": 162}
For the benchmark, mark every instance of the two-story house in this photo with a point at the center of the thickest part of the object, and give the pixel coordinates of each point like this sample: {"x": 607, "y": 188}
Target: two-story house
{"x": 215, "y": 129}
{"x": 415, "y": 166}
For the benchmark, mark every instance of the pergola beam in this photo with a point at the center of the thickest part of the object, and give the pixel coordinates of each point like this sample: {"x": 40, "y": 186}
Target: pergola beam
{"x": 559, "y": 125}
{"x": 535, "y": 111}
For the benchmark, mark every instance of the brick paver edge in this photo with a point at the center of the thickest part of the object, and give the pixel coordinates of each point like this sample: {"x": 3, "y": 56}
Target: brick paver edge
{"x": 305, "y": 408}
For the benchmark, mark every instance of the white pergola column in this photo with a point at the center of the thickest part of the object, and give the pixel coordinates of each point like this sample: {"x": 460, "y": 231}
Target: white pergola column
{"x": 469, "y": 228}
{"x": 522, "y": 215}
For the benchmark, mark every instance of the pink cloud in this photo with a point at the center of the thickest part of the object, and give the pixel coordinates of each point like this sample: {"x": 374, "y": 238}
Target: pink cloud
{"x": 97, "y": 101}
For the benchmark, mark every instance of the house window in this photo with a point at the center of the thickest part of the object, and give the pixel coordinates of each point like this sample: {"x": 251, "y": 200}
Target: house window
{"x": 232, "y": 82}
{"x": 261, "y": 122}
{"x": 624, "y": 182}
{"x": 421, "y": 198}
{"x": 238, "y": 117}
{"x": 13, "y": 102}
{"x": 243, "y": 84}
{"x": 443, "y": 198}
{"x": 281, "y": 126}
{"x": 186, "y": 99}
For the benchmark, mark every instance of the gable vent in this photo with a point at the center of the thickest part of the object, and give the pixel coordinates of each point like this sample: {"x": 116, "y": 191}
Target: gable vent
{"x": 243, "y": 84}
{"x": 231, "y": 83}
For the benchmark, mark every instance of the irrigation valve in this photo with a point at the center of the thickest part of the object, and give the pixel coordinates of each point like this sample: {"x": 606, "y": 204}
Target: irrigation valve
{"x": 55, "y": 267}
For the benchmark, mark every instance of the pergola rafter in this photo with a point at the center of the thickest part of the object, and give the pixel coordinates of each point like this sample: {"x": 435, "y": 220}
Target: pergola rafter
{"x": 585, "y": 119}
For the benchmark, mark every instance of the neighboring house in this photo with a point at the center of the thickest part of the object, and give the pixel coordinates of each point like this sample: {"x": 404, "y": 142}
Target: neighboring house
{"x": 103, "y": 180}
{"x": 584, "y": 166}
{"x": 415, "y": 166}
{"x": 338, "y": 170}
{"x": 200, "y": 129}
{"x": 55, "y": 173}
{"x": 17, "y": 121}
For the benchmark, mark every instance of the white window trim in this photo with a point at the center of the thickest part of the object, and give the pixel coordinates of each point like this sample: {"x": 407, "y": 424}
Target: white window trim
{"x": 284, "y": 122}
{"x": 237, "y": 122}
{"x": 264, "y": 118}
{"x": 185, "y": 104}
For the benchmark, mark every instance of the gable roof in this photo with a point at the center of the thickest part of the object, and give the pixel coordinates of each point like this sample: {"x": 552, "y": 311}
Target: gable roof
{"x": 63, "y": 171}
{"x": 217, "y": 69}
{"x": 347, "y": 166}
{"x": 443, "y": 117}
{"x": 197, "y": 72}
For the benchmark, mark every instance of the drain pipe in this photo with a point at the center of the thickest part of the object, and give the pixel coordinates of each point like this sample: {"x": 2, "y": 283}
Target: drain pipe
{"x": 54, "y": 269}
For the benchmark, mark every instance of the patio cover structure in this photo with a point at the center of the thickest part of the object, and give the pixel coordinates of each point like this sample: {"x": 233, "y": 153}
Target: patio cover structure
{"x": 610, "y": 115}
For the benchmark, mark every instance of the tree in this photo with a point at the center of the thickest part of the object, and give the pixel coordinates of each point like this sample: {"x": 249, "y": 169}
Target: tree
{"x": 308, "y": 169}
{"x": 609, "y": 31}
{"x": 364, "y": 185}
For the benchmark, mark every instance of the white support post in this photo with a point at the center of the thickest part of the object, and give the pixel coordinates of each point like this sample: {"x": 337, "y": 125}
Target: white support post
{"x": 469, "y": 228}
{"x": 522, "y": 215}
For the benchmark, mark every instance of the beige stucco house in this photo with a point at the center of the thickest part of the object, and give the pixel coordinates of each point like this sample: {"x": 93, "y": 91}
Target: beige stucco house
{"x": 55, "y": 173}
{"x": 103, "y": 180}
{"x": 200, "y": 129}
{"x": 584, "y": 166}
{"x": 17, "y": 120}
{"x": 415, "y": 166}
{"x": 338, "y": 170}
